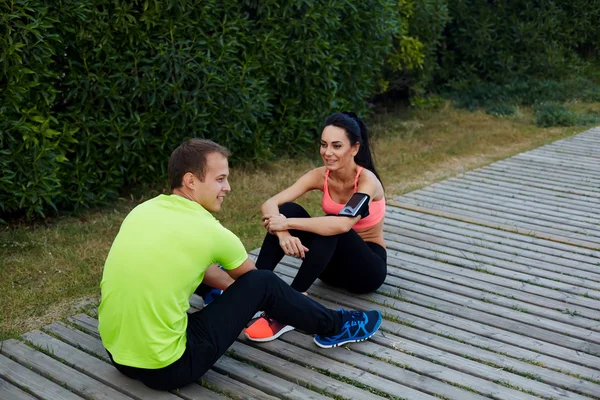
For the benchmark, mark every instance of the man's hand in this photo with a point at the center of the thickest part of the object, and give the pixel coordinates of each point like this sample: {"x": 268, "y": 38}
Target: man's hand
{"x": 292, "y": 246}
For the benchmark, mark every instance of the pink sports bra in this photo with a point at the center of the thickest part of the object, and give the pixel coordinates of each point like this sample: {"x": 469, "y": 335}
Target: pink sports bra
{"x": 376, "y": 208}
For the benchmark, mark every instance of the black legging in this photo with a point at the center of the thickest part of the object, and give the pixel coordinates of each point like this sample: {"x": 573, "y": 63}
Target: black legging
{"x": 344, "y": 260}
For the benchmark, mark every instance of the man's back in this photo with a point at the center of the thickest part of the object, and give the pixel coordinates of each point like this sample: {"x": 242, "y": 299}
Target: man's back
{"x": 156, "y": 262}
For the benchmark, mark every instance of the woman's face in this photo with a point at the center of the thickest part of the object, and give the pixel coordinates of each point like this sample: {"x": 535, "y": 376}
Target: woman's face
{"x": 336, "y": 150}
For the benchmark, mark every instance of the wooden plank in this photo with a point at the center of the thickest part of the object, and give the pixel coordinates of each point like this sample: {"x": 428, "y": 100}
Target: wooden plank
{"x": 515, "y": 196}
{"x": 539, "y": 187}
{"x": 247, "y": 377}
{"x": 528, "y": 289}
{"x": 362, "y": 354}
{"x": 593, "y": 165}
{"x": 60, "y": 373}
{"x": 264, "y": 381}
{"x": 559, "y": 163}
{"x": 532, "y": 170}
{"x": 493, "y": 315}
{"x": 497, "y": 225}
{"x": 222, "y": 383}
{"x": 197, "y": 392}
{"x": 88, "y": 323}
{"x": 500, "y": 198}
{"x": 423, "y": 344}
{"x": 573, "y": 150}
{"x": 507, "y": 246}
{"x": 426, "y": 282}
{"x": 85, "y": 323}
{"x": 292, "y": 371}
{"x": 537, "y": 164}
{"x": 592, "y": 162}
{"x": 485, "y": 208}
{"x": 94, "y": 368}
{"x": 494, "y": 258}
{"x": 521, "y": 193}
{"x": 234, "y": 389}
{"x": 41, "y": 387}
{"x": 555, "y": 249}
{"x": 477, "y": 264}
{"x": 406, "y": 383}
{"x": 446, "y": 280}
{"x": 454, "y": 369}
{"x": 397, "y": 309}
{"x": 10, "y": 392}
{"x": 563, "y": 169}
{"x": 536, "y": 192}
{"x": 501, "y": 220}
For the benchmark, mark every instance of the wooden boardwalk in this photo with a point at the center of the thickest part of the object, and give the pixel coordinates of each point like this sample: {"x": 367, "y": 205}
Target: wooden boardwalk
{"x": 493, "y": 291}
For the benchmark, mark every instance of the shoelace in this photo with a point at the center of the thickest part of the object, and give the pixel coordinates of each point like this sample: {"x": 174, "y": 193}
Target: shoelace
{"x": 356, "y": 317}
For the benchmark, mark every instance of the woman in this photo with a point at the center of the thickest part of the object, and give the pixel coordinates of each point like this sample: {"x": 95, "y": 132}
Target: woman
{"x": 345, "y": 252}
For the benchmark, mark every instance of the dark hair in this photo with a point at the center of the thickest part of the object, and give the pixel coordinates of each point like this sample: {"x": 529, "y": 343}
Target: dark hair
{"x": 356, "y": 131}
{"x": 190, "y": 156}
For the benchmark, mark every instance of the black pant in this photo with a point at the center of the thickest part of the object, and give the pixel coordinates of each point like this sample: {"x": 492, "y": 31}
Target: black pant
{"x": 343, "y": 260}
{"x": 212, "y": 330}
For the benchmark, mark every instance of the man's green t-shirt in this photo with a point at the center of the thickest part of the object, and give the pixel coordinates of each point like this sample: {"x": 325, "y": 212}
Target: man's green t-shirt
{"x": 155, "y": 264}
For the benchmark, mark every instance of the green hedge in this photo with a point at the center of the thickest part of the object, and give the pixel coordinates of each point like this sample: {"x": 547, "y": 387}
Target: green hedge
{"x": 95, "y": 94}
{"x": 499, "y": 40}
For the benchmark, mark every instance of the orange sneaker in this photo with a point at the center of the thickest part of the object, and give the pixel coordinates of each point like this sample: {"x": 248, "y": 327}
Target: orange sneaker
{"x": 266, "y": 329}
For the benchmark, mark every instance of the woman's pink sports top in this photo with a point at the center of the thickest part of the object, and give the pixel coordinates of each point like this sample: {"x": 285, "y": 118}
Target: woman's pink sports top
{"x": 376, "y": 208}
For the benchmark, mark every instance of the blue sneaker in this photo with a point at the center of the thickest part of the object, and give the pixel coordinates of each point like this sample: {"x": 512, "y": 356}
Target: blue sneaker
{"x": 356, "y": 327}
{"x": 211, "y": 295}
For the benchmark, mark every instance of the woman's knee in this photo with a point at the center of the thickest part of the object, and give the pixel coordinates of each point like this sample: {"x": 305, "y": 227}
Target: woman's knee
{"x": 293, "y": 210}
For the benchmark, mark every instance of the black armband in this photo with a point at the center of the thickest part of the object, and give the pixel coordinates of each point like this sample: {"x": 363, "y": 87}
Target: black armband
{"x": 357, "y": 205}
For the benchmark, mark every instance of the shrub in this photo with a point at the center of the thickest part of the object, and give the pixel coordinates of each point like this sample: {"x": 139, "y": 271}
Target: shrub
{"x": 554, "y": 115}
{"x": 96, "y": 93}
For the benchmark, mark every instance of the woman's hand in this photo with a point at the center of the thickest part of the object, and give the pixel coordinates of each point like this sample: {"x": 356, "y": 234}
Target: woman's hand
{"x": 276, "y": 223}
{"x": 292, "y": 246}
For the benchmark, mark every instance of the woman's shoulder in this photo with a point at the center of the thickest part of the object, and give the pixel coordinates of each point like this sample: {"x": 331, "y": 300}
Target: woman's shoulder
{"x": 368, "y": 176}
{"x": 317, "y": 173}
{"x": 313, "y": 179}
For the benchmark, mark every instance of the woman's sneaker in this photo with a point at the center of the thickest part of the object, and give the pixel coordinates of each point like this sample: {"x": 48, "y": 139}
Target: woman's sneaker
{"x": 266, "y": 329}
{"x": 356, "y": 327}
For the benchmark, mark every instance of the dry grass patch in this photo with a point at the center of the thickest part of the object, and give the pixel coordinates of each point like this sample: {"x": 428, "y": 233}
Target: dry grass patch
{"x": 46, "y": 270}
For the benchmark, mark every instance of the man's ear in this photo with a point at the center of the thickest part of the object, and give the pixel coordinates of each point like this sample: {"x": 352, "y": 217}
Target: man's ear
{"x": 188, "y": 180}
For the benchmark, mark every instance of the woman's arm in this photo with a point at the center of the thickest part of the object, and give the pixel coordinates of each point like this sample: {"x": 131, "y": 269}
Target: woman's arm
{"x": 328, "y": 225}
{"x": 309, "y": 181}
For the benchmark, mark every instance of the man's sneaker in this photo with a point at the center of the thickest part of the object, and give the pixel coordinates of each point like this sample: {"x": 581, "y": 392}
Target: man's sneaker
{"x": 356, "y": 327}
{"x": 266, "y": 329}
{"x": 211, "y": 295}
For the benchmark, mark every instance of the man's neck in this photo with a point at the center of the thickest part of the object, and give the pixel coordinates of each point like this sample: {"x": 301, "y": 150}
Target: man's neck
{"x": 181, "y": 193}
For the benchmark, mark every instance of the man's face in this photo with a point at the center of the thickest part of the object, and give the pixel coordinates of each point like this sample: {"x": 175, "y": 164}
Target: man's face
{"x": 211, "y": 192}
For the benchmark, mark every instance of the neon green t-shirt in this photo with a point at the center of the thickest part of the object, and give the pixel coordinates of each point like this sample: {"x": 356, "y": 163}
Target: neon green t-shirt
{"x": 155, "y": 264}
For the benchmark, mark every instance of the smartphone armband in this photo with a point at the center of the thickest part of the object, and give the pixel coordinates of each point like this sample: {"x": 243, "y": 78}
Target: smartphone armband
{"x": 357, "y": 205}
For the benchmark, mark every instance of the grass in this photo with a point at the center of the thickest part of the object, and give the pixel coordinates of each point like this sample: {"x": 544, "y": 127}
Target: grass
{"x": 52, "y": 269}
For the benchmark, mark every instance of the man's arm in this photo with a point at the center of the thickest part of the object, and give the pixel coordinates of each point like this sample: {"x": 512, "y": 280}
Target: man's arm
{"x": 216, "y": 277}
{"x": 246, "y": 266}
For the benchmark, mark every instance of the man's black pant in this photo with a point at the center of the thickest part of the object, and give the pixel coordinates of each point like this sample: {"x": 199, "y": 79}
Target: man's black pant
{"x": 212, "y": 330}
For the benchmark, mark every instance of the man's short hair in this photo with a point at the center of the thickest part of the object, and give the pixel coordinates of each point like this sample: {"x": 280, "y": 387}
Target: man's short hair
{"x": 190, "y": 156}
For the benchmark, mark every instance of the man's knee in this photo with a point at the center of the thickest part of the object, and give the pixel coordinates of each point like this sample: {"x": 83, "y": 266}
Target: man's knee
{"x": 258, "y": 277}
{"x": 293, "y": 210}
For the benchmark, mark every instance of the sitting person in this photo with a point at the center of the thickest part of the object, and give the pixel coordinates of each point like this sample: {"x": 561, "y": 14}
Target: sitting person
{"x": 346, "y": 252}
{"x": 165, "y": 248}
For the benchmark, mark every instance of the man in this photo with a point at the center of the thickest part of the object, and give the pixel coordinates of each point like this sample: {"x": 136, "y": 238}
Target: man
{"x": 165, "y": 249}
